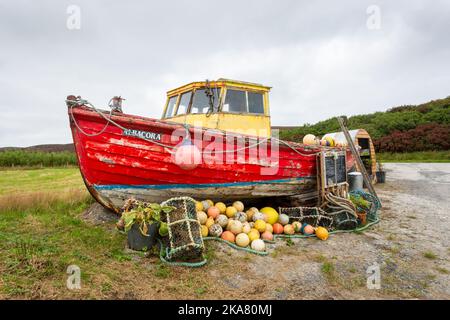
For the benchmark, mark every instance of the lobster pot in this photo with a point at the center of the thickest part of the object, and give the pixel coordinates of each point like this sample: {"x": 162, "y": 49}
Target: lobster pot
{"x": 185, "y": 239}
{"x": 343, "y": 220}
{"x": 317, "y": 217}
{"x": 374, "y": 204}
{"x": 313, "y": 216}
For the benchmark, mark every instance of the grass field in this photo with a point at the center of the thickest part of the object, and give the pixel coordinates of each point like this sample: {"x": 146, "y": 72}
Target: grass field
{"x": 42, "y": 232}
{"x": 424, "y": 156}
{"x": 44, "y": 179}
{"x": 21, "y": 189}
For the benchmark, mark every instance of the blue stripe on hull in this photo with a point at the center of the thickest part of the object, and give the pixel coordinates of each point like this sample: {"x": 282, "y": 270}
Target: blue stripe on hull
{"x": 200, "y": 185}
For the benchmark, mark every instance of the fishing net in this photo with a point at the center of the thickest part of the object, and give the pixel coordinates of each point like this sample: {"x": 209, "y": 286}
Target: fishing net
{"x": 341, "y": 210}
{"x": 343, "y": 220}
{"x": 185, "y": 239}
{"x": 313, "y": 216}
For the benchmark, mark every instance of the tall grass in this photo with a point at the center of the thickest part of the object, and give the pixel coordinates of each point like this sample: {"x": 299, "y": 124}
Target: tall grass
{"x": 42, "y": 199}
{"x": 37, "y": 159}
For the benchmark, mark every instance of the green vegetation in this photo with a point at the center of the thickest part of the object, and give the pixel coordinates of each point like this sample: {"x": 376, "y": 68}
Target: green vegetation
{"x": 37, "y": 244}
{"x": 40, "y": 180}
{"x": 430, "y": 255}
{"x": 162, "y": 271}
{"x": 201, "y": 290}
{"x": 43, "y": 231}
{"x": 442, "y": 270}
{"x": 404, "y": 129}
{"x": 424, "y": 156}
{"x": 37, "y": 158}
{"x": 143, "y": 214}
{"x": 289, "y": 242}
{"x": 327, "y": 268}
{"x": 380, "y": 124}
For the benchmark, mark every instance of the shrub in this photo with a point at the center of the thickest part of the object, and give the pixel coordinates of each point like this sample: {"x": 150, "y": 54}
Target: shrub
{"x": 424, "y": 137}
{"x": 36, "y": 158}
{"x": 427, "y": 126}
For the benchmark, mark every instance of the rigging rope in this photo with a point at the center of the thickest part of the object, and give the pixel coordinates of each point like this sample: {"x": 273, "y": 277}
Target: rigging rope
{"x": 84, "y": 132}
{"x": 81, "y": 102}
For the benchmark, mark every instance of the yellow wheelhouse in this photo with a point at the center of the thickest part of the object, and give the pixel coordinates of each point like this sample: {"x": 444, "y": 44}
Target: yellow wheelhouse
{"x": 229, "y": 105}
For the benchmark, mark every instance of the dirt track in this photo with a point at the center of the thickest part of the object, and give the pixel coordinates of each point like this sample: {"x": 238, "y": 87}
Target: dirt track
{"x": 410, "y": 244}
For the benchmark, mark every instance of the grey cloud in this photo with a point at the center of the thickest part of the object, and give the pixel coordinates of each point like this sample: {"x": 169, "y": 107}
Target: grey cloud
{"x": 318, "y": 55}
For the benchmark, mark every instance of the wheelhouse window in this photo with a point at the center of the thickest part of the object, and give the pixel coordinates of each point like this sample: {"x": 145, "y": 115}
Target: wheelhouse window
{"x": 255, "y": 102}
{"x": 238, "y": 101}
{"x": 200, "y": 101}
{"x": 184, "y": 102}
{"x": 235, "y": 101}
{"x": 171, "y": 107}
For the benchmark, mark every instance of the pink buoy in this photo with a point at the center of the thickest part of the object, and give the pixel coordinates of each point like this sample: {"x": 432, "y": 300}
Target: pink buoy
{"x": 308, "y": 229}
{"x": 187, "y": 156}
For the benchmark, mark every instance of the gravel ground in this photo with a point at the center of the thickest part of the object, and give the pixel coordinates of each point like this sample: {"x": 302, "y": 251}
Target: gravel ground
{"x": 410, "y": 244}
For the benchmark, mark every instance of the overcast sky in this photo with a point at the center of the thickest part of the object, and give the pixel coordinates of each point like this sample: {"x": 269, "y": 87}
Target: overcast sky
{"x": 320, "y": 57}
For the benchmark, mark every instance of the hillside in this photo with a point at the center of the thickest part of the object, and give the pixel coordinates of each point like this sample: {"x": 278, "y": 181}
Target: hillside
{"x": 69, "y": 147}
{"x": 406, "y": 128}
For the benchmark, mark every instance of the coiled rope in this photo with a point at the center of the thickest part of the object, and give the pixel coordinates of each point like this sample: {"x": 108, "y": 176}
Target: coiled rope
{"x": 81, "y": 102}
{"x": 163, "y": 254}
{"x": 339, "y": 204}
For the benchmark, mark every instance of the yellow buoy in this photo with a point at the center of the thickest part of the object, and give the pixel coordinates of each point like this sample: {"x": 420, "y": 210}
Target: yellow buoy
{"x": 230, "y": 212}
{"x": 204, "y": 230}
{"x": 260, "y": 225}
{"x": 253, "y": 234}
{"x": 321, "y": 233}
{"x": 271, "y": 214}
{"x": 330, "y": 141}
{"x": 209, "y": 222}
{"x": 222, "y": 207}
{"x": 198, "y": 206}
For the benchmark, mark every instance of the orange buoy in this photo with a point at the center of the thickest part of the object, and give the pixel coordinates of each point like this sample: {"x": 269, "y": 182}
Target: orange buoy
{"x": 278, "y": 228}
{"x": 228, "y": 236}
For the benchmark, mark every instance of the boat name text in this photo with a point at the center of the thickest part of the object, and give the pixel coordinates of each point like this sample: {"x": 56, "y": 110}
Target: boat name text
{"x": 142, "y": 134}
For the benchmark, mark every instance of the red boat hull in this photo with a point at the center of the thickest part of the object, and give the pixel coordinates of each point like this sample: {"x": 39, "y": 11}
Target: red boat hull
{"x": 117, "y": 164}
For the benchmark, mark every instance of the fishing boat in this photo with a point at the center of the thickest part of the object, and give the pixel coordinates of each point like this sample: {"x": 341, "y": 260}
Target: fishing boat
{"x": 213, "y": 141}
